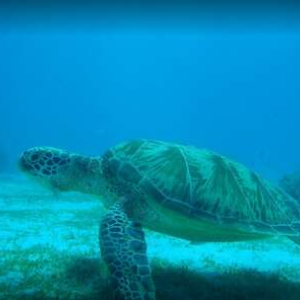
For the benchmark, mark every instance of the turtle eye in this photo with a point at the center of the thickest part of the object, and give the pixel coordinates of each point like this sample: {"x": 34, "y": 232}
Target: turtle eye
{"x": 35, "y": 156}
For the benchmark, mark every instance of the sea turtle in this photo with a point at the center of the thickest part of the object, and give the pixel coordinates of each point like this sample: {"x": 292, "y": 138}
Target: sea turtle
{"x": 182, "y": 191}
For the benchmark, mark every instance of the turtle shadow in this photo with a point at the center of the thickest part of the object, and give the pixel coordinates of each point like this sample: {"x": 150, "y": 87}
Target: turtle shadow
{"x": 182, "y": 283}
{"x": 83, "y": 270}
{"x": 91, "y": 273}
{"x": 89, "y": 277}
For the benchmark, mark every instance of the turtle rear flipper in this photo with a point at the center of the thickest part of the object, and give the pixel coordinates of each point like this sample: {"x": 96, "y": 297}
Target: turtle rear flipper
{"x": 123, "y": 248}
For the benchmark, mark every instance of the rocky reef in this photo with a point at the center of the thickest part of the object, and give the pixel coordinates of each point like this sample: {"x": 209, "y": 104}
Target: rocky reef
{"x": 291, "y": 184}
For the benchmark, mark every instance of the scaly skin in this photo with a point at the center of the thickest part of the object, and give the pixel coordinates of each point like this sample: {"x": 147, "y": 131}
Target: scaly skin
{"x": 62, "y": 170}
{"x": 122, "y": 241}
{"x": 123, "y": 247}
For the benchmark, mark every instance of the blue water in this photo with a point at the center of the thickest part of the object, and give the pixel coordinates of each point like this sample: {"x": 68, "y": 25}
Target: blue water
{"x": 231, "y": 89}
{"x": 231, "y": 86}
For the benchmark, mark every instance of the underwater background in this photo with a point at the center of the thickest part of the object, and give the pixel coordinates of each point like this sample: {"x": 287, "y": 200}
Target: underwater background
{"x": 226, "y": 82}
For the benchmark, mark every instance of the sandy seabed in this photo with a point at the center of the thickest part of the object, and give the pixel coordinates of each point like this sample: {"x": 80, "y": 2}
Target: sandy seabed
{"x": 49, "y": 250}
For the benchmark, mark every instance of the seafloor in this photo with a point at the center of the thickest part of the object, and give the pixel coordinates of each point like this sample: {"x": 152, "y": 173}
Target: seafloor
{"x": 49, "y": 250}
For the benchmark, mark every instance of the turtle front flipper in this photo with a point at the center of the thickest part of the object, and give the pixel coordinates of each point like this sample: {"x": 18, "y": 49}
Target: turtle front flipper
{"x": 123, "y": 248}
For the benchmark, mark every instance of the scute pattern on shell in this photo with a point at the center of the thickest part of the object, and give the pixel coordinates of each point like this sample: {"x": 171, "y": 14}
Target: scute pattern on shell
{"x": 202, "y": 184}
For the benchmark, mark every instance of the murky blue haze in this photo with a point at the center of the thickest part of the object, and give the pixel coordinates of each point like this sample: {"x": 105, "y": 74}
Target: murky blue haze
{"x": 82, "y": 85}
{"x": 234, "y": 90}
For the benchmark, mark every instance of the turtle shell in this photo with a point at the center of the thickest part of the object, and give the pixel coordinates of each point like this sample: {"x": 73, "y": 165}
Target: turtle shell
{"x": 204, "y": 185}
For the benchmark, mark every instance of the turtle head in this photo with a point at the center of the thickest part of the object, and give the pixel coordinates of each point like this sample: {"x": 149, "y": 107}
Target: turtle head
{"x": 61, "y": 170}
